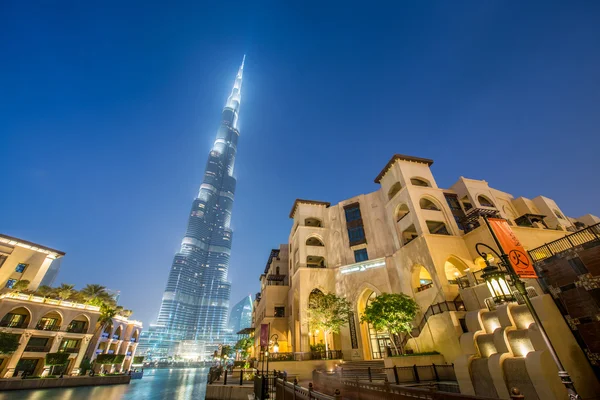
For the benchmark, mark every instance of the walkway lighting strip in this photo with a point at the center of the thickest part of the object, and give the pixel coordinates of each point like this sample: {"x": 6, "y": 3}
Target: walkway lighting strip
{"x": 363, "y": 266}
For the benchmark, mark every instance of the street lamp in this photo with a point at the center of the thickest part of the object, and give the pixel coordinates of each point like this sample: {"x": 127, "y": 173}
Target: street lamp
{"x": 276, "y": 344}
{"x": 495, "y": 279}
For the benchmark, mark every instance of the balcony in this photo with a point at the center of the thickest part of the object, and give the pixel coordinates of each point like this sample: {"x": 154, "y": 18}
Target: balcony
{"x": 115, "y": 337}
{"x": 76, "y": 329}
{"x": 53, "y": 328}
{"x": 105, "y": 335}
{"x": 128, "y": 353}
{"x": 13, "y": 324}
{"x": 70, "y": 350}
{"x": 471, "y": 220}
{"x": 38, "y": 349}
{"x": 132, "y": 340}
{"x": 579, "y": 238}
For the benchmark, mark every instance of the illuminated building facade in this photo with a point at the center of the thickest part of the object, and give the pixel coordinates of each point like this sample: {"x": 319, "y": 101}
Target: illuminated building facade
{"x": 195, "y": 303}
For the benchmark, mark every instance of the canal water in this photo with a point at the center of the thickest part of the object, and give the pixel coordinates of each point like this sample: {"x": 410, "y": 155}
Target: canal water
{"x": 175, "y": 384}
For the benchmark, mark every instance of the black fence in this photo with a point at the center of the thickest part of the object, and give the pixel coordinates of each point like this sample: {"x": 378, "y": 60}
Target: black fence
{"x": 579, "y": 238}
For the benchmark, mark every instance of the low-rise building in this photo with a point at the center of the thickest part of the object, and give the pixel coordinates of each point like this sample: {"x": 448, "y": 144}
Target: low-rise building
{"x": 413, "y": 237}
{"x": 47, "y": 325}
{"x": 21, "y": 260}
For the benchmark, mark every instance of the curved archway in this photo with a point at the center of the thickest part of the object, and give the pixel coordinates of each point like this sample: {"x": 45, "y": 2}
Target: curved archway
{"x": 108, "y": 328}
{"x": 454, "y": 268}
{"x": 421, "y": 278}
{"x": 118, "y": 333}
{"x": 417, "y": 181}
{"x": 427, "y": 204}
{"x": 315, "y": 222}
{"x": 485, "y": 201}
{"x": 401, "y": 211}
{"x": 314, "y": 241}
{"x": 396, "y": 187}
{"x": 374, "y": 343}
{"x": 18, "y": 317}
{"x": 79, "y": 324}
{"x": 51, "y": 321}
{"x": 136, "y": 336}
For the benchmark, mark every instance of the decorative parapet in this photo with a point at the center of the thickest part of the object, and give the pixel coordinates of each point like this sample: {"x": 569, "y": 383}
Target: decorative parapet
{"x": 44, "y": 300}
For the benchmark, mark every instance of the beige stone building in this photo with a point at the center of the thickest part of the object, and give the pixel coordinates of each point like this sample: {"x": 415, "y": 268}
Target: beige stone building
{"x": 24, "y": 260}
{"x": 46, "y": 325}
{"x": 413, "y": 237}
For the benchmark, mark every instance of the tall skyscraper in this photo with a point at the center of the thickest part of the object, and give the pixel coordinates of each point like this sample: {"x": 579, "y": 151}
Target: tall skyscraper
{"x": 241, "y": 315}
{"x": 196, "y": 299}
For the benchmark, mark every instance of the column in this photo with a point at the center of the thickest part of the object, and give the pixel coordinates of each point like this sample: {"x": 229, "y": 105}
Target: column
{"x": 9, "y": 370}
{"x": 82, "y": 350}
{"x": 53, "y": 349}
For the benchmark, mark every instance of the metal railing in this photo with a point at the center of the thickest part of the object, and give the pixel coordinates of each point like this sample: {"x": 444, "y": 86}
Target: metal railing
{"x": 327, "y": 355}
{"x": 355, "y": 389}
{"x": 291, "y": 390}
{"x": 579, "y": 238}
{"x": 12, "y": 324}
{"x": 231, "y": 377}
{"x": 76, "y": 329}
{"x": 399, "y": 375}
{"x": 425, "y": 287}
{"x": 38, "y": 349}
{"x": 47, "y": 327}
{"x": 281, "y": 356}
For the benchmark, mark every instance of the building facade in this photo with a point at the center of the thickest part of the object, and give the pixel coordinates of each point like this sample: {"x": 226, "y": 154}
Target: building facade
{"x": 27, "y": 261}
{"x": 241, "y": 315}
{"x": 195, "y": 303}
{"x": 413, "y": 237}
{"x": 46, "y": 325}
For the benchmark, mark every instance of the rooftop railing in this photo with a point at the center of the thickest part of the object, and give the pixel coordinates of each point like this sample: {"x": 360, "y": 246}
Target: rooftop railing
{"x": 579, "y": 238}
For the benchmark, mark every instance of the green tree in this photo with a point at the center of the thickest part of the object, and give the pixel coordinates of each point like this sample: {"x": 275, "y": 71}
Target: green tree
{"x": 65, "y": 291}
{"x": 327, "y": 312}
{"x": 44, "y": 291}
{"x": 391, "y": 312}
{"x": 9, "y": 342}
{"x": 243, "y": 345}
{"x": 227, "y": 350}
{"x": 107, "y": 313}
{"x": 97, "y": 294}
{"x": 21, "y": 285}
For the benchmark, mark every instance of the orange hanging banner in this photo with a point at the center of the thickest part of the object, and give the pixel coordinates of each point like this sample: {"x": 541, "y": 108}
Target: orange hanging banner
{"x": 517, "y": 255}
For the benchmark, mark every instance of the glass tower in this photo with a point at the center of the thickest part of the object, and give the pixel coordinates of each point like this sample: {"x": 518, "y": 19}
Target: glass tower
{"x": 195, "y": 304}
{"x": 241, "y": 315}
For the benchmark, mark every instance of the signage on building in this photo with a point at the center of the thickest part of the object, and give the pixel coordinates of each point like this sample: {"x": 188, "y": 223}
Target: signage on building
{"x": 264, "y": 335}
{"x": 352, "y": 327}
{"x": 363, "y": 266}
{"x": 517, "y": 255}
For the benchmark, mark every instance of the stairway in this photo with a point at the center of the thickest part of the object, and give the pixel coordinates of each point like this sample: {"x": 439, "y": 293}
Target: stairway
{"x": 360, "y": 370}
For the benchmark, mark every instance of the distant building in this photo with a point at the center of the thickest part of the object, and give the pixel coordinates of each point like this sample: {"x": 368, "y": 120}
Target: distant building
{"x": 241, "y": 315}
{"x": 23, "y": 260}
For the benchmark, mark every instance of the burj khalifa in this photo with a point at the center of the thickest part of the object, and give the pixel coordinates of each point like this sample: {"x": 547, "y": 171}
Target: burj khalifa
{"x": 195, "y": 303}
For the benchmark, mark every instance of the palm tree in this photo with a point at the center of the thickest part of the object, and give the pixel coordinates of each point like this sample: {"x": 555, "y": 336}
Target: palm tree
{"x": 65, "y": 291}
{"x": 107, "y": 313}
{"x": 97, "y": 294}
{"x": 44, "y": 290}
{"x": 21, "y": 285}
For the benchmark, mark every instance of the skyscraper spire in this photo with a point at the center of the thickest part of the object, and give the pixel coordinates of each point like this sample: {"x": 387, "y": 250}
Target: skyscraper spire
{"x": 233, "y": 101}
{"x": 195, "y": 304}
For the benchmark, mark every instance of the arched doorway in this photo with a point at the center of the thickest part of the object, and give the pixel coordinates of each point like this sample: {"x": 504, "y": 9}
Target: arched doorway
{"x": 375, "y": 343}
{"x": 454, "y": 268}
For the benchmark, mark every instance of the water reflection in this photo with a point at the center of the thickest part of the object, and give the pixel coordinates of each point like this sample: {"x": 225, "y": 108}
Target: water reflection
{"x": 177, "y": 384}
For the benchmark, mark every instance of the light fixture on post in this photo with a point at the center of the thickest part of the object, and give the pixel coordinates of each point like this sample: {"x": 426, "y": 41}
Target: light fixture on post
{"x": 515, "y": 280}
{"x": 275, "y": 344}
{"x": 495, "y": 277}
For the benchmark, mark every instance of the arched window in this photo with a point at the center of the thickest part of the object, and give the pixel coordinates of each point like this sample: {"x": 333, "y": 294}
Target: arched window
{"x": 78, "y": 324}
{"x": 17, "y": 318}
{"x": 401, "y": 211}
{"x": 484, "y": 201}
{"x": 117, "y": 334}
{"x": 454, "y": 269}
{"x": 313, "y": 222}
{"x": 437, "y": 228}
{"x": 419, "y": 182}
{"x": 558, "y": 214}
{"x": 314, "y": 241}
{"x": 396, "y": 187}
{"x": 421, "y": 278}
{"x": 50, "y": 322}
{"x": 427, "y": 204}
{"x": 409, "y": 234}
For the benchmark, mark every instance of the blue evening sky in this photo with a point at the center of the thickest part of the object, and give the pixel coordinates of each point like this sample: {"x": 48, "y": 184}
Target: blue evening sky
{"x": 108, "y": 111}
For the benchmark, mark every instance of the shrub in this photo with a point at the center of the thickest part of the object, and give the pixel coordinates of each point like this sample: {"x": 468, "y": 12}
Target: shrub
{"x": 110, "y": 358}
{"x": 57, "y": 358}
{"x": 138, "y": 359}
{"x": 9, "y": 342}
